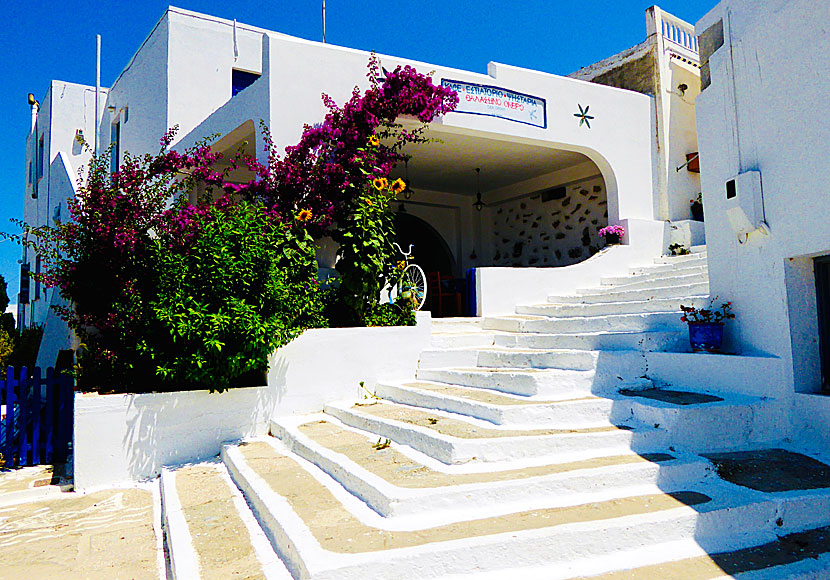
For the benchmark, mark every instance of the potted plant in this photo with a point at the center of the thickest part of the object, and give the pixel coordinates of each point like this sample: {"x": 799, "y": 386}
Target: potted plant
{"x": 706, "y": 325}
{"x": 612, "y": 234}
{"x": 696, "y": 206}
{"x": 678, "y": 250}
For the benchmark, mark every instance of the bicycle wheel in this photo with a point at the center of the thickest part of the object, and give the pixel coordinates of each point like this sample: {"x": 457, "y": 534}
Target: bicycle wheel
{"x": 413, "y": 286}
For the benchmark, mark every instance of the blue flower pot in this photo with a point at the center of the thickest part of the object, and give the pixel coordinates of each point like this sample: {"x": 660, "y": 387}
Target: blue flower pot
{"x": 706, "y": 336}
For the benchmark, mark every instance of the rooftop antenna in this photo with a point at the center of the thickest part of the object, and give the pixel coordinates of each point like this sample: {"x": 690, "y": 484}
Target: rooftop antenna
{"x": 97, "y": 85}
{"x": 324, "y": 21}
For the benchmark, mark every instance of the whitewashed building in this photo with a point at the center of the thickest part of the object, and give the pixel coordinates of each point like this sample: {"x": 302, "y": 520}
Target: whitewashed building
{"x": 559, "y": 158}
{"x": 764, "y": 120}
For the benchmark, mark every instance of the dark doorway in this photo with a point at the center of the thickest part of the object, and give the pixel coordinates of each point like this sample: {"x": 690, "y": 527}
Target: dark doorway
{"x": 822, "y": 270}
{"x": 430, "y": 250}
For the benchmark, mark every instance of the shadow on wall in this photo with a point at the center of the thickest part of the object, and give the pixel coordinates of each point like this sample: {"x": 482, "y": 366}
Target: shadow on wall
{"x": 172, "y": 428}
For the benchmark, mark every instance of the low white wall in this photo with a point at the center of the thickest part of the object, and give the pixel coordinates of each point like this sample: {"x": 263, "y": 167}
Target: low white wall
{"x": 327, "y": 364}
{"x": 120, "y": 438}
{"x": 499, "y": 290}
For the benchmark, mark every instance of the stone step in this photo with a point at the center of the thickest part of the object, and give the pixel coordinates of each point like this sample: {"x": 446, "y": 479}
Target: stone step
{"x": 209, "y": 529}
{"x": 566, "y": 359}
{"x": 436, "y": 358}
{"x": 461, "y": 339}
{"x": 680, "y": 259}
{"x": 454, "y": 439}
{"x": 398, "y": 481}
{"x": 664, "y": 340}
{"x": 456, "y": 324}
{"x": 614, "y": 294}
{"x": 696, "y": 421}
{"x": 501, "y": 409}
{"x": 677, "y": 272}
{"x": 606, "y": 308}
{"x": 654, "y": 268}
{"x": 581, "y": 324}
{"x": 656, "y": 282}
{"x": 556, "y": 384}
{"x": 326, "y": 533}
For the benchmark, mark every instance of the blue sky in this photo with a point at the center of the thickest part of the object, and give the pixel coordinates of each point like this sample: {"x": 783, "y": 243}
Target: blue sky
{"x": 45, "y": 40}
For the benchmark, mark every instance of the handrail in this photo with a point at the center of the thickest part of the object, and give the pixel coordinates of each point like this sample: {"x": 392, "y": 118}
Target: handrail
{"x": 679, "y": 32}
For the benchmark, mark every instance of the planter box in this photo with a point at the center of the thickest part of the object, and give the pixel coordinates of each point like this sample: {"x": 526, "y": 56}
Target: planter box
{"x": 122, "y": 438}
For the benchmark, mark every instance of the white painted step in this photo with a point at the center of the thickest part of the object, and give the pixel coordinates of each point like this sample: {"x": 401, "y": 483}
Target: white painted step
{"x": 522, "y": 482}
{"x": 732, "y": 519}
{"x": 612, "y": 294}
{"x": 617, "y": 307}
{"x": 501, "y": 408}
{"x": 187, "y": 562}
{"x": 656, "y": 282}
{"x": 654, "y": 268}
{"x": 609, "y": 323}
{"x": 559, "y": 446}
{"x": 461, "y": 339}
{"x": 554, "y": 384}
{"x": 678, "y": 272}
{"x": 566, "y": 359}
{"x": 664, "y": 340}
{"x": 680, "y": 259}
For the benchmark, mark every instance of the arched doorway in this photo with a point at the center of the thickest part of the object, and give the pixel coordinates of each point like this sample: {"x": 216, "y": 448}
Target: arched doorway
{"x": 430, "y": 250}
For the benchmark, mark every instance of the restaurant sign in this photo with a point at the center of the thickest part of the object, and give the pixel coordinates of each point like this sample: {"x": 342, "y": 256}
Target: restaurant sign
{"x": 491, "y": 101}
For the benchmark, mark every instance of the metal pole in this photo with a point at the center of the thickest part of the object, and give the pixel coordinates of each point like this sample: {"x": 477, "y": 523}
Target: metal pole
{"x": 97, "y": 85}
{"x": 324, "y": 21}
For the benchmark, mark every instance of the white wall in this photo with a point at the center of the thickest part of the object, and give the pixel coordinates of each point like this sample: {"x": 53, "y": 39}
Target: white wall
{"x": 327, "y": 364}
{"x": 120, "y": 438}
{"x": 766, "y": 111}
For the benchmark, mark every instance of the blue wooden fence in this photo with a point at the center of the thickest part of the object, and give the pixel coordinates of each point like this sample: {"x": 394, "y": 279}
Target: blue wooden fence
{"x": 38, "y": 413}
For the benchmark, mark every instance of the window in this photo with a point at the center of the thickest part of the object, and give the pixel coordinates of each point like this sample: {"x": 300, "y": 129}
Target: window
{"x": 38, "y": 166}
{"x": 115, "y": 143}
{"x": 241, "y": 80}
{"x": 821, "y": 267}
{"x": 23, "y": 297}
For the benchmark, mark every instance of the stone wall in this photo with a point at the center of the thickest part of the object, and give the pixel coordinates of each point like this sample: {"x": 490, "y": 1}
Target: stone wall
{"x": 559, "y": 232}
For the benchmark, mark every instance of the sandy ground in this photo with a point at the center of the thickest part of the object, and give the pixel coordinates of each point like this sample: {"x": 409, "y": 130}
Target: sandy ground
{"x": 106, "y": 535}
{"x": 337, "y": 530}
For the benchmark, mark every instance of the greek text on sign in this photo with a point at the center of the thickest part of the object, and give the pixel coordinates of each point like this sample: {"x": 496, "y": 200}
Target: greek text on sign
{"x": 497, "y": 102}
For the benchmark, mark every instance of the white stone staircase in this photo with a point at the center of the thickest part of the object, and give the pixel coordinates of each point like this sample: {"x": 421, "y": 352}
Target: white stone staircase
{"x": 533, "y": 446}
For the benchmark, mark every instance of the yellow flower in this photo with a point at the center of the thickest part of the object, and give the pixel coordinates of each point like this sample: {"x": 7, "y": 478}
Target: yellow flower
{"x": 367, "y": 201}
{"x": 374, "y": 141}
{"x": 380, "y": 183}
{"x": 401, "y": 265}
{"x": 398, "y": 185}
{"x": 304, "y": 215}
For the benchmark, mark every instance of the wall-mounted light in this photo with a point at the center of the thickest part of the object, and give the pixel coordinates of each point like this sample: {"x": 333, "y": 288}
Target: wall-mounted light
{"x": 32, "y": 100}
{"x": 407, "y": 191}
{"x": 682, "y": 88}
{"x": 478, "y": 204}
{"x": 79, "y": 136}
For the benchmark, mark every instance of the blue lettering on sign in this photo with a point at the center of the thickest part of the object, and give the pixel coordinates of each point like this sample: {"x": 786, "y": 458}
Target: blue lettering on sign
{"x": 475, "y": 99}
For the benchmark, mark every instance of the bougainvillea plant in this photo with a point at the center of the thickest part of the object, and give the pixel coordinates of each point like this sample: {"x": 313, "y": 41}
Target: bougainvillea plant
{"x": 169, "y": 292}
{"x": 612, "y": 232}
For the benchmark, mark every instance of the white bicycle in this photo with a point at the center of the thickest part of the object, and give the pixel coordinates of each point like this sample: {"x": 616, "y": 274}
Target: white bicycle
{"x": 411, "y": 283}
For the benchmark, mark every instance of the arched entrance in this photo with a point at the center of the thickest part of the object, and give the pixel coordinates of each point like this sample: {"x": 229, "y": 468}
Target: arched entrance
{"x": 430, "y": 250}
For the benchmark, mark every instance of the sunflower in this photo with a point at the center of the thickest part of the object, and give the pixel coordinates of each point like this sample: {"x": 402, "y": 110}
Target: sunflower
{"x": 380, "y": 183}
{"x": 398, "y": 186}
{"x": 304, "y": 215}
{"x": 374, "y": 141}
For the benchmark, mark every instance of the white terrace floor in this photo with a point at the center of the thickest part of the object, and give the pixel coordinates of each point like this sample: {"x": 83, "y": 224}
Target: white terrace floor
{"x": 538, "y": 446}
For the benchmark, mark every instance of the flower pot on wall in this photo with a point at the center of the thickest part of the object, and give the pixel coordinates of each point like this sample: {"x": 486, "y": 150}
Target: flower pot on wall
{"x": 697, "y": 211}
{"x": 706, "y": 336}
{"x": 611, "y": 240}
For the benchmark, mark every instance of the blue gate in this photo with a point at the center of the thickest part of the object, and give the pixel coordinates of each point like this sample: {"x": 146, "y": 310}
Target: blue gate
{"x": 37, "y": 415}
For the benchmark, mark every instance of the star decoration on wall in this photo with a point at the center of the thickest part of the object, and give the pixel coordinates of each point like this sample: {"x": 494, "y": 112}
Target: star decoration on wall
{"x": 583, "y": 116}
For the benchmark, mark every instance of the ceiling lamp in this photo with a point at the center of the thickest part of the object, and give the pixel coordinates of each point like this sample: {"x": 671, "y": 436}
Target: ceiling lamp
{"x": 478, "y": 204}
